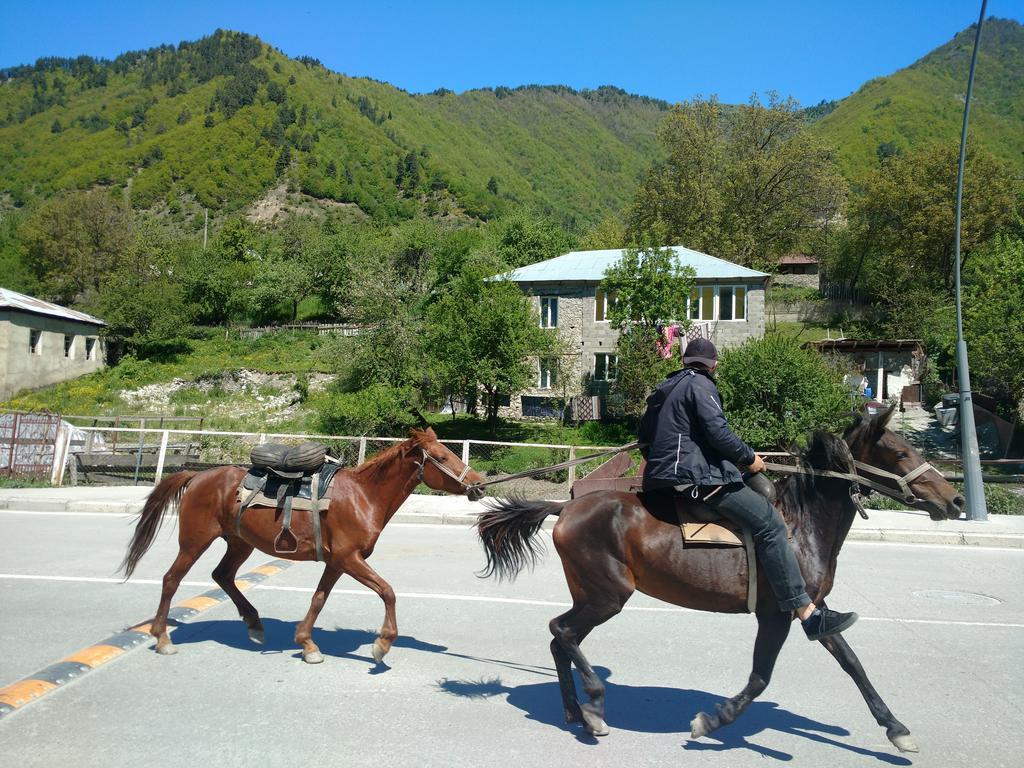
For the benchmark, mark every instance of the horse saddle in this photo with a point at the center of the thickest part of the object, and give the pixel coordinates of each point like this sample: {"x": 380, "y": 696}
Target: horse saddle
{"x": 287, "y": 478}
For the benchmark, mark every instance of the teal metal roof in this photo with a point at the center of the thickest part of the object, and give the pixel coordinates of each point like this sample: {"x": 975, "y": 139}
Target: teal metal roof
{"x": 590, "y": 266}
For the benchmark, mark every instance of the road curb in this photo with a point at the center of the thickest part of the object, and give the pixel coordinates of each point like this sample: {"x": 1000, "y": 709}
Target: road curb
{"x": 17, "y": 695}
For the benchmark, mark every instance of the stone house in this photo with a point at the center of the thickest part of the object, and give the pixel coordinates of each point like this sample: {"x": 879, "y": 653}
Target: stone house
{"x": 727, "y": 305}
{"x": 43, "y": 343}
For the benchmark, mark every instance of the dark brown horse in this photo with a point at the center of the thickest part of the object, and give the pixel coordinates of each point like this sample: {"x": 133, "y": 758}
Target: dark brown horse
{"x": 611, "y": 545}
{"x": 361, "y": 502}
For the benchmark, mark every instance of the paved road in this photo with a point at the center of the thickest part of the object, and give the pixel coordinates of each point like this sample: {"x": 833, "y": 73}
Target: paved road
{"x": 471, "y": 682}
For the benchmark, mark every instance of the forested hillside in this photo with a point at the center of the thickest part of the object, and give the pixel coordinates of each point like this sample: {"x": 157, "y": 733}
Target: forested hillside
{"x": 220, "y": 121}
{"x": 925, "y": 102}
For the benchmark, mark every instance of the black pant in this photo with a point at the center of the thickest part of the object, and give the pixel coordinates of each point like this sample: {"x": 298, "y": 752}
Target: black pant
{"x": 750, "y": 509}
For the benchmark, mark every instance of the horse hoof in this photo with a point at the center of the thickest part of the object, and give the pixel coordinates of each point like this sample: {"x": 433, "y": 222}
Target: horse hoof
{"x": 257, "y": 636}
{"x": 699, "y": 726}
{"x": 379, "y": 651}
{"x": 168, "y": 649}
{"x": 904, "y": 743}
{"x": 593, "y": 721}
{"x": 313, "y": 657}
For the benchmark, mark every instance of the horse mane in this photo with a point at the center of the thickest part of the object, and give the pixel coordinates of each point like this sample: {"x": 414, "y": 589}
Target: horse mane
{"x": 372, "y": 467}
{"x": 801, "y": 493}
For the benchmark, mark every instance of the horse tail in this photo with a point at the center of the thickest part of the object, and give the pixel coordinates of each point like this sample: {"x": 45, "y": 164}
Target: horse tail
{"x": 508, "y": 531}
{"x": 166, "y": 494}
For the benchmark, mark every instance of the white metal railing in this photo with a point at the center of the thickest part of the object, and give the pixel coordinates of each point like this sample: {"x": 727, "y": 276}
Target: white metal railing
{"x": 159, "y": 442}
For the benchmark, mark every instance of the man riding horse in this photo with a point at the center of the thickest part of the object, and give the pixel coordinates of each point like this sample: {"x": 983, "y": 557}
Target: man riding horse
{"x": 690, "y": 449}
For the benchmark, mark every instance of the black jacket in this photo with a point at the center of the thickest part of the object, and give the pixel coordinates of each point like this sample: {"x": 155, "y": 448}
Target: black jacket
{"x": 690, "y": 443}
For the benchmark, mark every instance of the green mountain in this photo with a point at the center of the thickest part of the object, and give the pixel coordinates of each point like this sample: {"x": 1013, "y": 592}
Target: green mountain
{"x": 227, "y": 122}
{"x": 925, "y": 102}
{"x": 221, "y": 121}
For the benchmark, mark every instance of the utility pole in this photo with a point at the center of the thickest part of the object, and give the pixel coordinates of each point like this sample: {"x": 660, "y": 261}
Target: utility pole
{"x": 206, "y": 222}
{"x": 974, "y": 486}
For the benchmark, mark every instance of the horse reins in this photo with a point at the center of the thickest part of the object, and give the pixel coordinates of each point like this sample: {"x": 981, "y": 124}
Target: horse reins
{"x": 902, "y": 481}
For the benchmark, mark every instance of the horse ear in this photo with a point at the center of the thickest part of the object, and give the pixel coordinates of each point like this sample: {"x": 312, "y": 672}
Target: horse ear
{"x": 881, "y": 420}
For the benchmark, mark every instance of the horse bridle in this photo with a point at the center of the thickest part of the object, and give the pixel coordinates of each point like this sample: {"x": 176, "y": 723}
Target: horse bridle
{"x": 905, "y": 494}
{"x": 459, "y": 478}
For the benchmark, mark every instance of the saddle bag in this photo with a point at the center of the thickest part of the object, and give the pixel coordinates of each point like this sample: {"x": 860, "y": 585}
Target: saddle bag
{"x": 302, "y": 459}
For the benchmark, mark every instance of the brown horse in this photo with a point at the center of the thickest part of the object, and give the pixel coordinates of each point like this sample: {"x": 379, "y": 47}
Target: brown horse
{"x": 611, "y": 545}
{"x": 361, "y": 502}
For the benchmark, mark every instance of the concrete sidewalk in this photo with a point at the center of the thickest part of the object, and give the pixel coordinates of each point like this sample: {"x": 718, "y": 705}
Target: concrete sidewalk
{"x": 882, "y": 525}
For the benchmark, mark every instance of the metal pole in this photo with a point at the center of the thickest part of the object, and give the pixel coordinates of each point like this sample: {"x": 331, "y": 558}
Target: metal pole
{"x": 974, "y": 487}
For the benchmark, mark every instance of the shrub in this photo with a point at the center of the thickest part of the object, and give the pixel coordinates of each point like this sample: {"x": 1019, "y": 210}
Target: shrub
{"x": 376, "y": 410}
{"x": 774, "y": 392}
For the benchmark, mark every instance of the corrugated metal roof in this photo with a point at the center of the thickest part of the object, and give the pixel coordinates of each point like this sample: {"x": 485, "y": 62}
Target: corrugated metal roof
{"x": 13, "y": 300}
{"x": 590, "y": 266}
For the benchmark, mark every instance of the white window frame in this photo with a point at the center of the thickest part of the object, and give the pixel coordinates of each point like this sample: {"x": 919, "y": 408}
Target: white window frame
{"x": 607, "y": 300}
{"x": 547, "y": 317}
{"x": 69, "y": 347}
{"x": 602, "y": 375}
{"x": 716, "y": 314}
{"x": 547, "y": 373}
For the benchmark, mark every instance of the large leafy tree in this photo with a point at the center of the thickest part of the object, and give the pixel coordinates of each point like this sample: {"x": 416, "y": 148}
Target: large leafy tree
{"x": 901, "y": 228}
{"x": 75, "y": 240}
{"x": 141, "y": 300}
{"x": 746, "y": 183}
{"x": 994, "y": 324}
{"x": 480, "y": 336}
{"x": 646, "y": 287}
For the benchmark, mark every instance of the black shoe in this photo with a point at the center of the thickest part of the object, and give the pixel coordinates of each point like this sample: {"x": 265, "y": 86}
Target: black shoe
{"x": 824, "y": 623}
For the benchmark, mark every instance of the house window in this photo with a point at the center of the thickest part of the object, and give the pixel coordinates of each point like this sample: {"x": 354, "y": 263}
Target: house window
{"x": 602, "y": 301}
{"x": 721, "y": 302}
{"x": 90, "y": 349}
{"x": 548, "y": 373}
{"x": 606, "y": 367}
{"x": 549, "y": 312}
{"x": 69, "y": 344}
{"x": 34, "y": 341}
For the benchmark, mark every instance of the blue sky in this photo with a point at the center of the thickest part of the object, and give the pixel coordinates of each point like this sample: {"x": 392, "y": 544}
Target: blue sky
{"x": 671, "y": 50}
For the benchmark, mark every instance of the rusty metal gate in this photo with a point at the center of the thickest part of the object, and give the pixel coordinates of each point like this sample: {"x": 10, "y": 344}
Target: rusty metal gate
{"x": 28, "y": 442}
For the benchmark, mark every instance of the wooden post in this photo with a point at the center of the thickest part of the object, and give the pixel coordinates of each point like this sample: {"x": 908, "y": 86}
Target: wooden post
{"x": 572, "y": 469}
{"x": 465, "y": 452}
{"x": 161, "y": 456}
{"x": 362, "y": 451}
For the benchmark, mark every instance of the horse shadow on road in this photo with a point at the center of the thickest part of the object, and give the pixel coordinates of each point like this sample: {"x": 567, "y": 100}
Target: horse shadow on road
{"x": 280, "y": 638}
{"x": 656, "y": 709}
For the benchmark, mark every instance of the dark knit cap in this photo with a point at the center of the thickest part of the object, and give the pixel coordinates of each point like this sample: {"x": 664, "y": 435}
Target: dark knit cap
{"x": 701, "y": 351}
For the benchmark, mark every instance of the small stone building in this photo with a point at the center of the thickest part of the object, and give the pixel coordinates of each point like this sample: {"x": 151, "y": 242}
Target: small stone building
{"x": 802, "y": 269}
{"x": 892, "y": 367}
{"x": 726, "y": 305}
{"x": 43, "y": 343}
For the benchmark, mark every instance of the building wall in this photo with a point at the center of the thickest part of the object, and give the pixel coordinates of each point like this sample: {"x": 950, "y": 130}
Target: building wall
{"x": 803, "y": 280}
{"x": 580, "y": 331}
{"x": 21, "y": 369}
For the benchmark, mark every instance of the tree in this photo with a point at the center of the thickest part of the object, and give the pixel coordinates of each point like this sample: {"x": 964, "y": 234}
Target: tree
{"x": 747, "y": 184}
{"x": 492, "y": 185}
{"x": 142, "y": 302}
{"x": 521, "y": 238}
{"x": 994, "y": 324}
{"x": 901, "y": 227}
{"x": 480, "y": 336}
{"x": 774, "y": 392}
{"x": 645, "y": 288}
{"x": 75, "y": 240}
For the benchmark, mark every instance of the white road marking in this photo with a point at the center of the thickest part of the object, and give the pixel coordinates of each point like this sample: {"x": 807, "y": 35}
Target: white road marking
{"x": 476, "y": 599}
